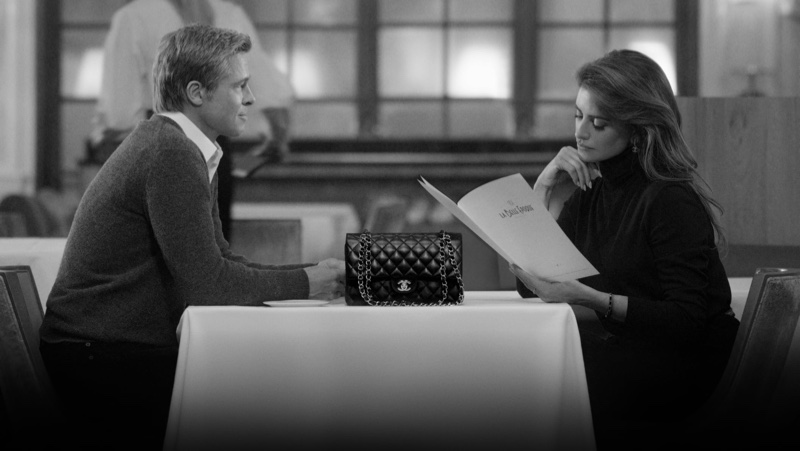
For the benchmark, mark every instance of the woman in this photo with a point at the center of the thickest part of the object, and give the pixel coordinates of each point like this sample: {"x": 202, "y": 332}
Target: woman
{"x": 644, "y": 218}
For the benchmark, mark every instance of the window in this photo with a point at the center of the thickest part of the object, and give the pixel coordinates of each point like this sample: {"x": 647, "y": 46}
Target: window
{"x": 572, "y": 32}
{"x": 445, "y": 69}
{"x": 410, "y": 69}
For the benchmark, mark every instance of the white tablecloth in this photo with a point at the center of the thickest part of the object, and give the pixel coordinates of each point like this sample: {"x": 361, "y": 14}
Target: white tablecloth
{"x": 740, "y": 287}
{"x": 43, "y": 255}
{"x": 495, "y": 372}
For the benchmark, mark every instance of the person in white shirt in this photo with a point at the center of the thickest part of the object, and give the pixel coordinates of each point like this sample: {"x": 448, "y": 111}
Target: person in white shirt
{"x": 126, "y": 89}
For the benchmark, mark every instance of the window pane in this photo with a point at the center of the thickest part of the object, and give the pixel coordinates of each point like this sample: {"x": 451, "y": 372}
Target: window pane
{"x": 76, "y": 125}
{"x": 323, "y": 64}
{"x": 410, "y": 62}
{"x": 481, "y": 119}
{"x": 266, "y": 11}
{"x": 328, "y": 120}
{"x": 89, "y": 11}
{"x": 81, "y": 62}
{"x": 411, "y": 119}
{"x": 657, "y": 43}
{"x": 642, "y": 11}
{"x": 571, "y": 10}
{"x": 554, "y": 121}
{"x": 481, "y": 10}
{"x": 562, "y": 53}
{"x": 411, "y": 11}
{"x": 480, "y": 63}
{"x": 274, "y": 44}
{"x": 324, "y": 12}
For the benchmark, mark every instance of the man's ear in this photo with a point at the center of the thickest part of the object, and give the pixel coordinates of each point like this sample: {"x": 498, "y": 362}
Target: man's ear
{"x": 195, "y": 93}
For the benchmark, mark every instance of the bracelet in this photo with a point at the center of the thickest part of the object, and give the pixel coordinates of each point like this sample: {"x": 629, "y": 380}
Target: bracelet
{"x": 610, "y": 306}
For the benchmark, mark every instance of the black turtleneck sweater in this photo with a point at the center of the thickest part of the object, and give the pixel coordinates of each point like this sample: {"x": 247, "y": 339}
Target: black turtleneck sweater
{"x": 653, "y": 242}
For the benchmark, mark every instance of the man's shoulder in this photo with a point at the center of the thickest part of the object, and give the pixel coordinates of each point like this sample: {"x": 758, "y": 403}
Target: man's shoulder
{"x": 159, "y": 129}
{"x": 159, "y": 139}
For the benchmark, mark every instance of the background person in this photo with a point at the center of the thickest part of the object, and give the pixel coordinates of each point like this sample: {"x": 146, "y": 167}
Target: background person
{"x": 645, "y": 220}
{"x": 126, "y": 89}
{"x": 146, "y": 242}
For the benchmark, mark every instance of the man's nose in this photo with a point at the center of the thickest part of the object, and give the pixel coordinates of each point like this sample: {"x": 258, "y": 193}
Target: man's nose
{"x": 248, "y": 98}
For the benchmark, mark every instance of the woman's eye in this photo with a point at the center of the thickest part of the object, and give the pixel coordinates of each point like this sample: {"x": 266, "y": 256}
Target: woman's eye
{"x": 599, "y": 124}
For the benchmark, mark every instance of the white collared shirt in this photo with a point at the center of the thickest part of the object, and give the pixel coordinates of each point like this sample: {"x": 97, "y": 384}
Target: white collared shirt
{"x": 210, "y": 149}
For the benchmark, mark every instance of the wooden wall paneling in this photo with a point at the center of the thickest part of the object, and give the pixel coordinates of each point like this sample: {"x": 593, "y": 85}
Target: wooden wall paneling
{"x": 782, "y": 172}
{"x": 747, "y": 151}
{"x": 744, "y": 134}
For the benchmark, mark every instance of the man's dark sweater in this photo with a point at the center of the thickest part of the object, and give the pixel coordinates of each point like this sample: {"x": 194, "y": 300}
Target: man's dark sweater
{"x": 146, "y": 242}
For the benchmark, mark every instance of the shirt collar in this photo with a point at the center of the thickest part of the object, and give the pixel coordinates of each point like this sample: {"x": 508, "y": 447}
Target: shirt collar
{"x": 211, "y": 151}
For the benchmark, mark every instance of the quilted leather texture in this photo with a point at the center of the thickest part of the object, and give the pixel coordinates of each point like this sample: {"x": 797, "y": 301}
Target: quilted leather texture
{"x": 404, "y": 269}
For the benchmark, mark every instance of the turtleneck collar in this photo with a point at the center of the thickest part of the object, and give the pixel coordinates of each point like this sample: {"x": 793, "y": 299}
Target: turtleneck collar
{"x": 618, "y": 169}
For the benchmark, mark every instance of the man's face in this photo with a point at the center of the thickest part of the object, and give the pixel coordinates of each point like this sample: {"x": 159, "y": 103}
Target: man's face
{"x": 224, "y": 110}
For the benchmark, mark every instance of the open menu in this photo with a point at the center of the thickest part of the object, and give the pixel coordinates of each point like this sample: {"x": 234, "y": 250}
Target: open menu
{"x": 507, "y": 216}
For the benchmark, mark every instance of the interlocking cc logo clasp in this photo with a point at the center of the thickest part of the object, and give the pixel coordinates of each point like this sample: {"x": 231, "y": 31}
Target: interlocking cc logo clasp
{"x": 403, "y": 285}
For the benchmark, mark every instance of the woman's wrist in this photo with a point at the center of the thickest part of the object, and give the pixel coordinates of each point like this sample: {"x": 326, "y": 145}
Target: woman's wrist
{"x": 595, "y": 300}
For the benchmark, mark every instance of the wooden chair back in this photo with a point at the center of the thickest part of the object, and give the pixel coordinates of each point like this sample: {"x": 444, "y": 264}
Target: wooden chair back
{"x": 757, "y": 401}
{"x": 30, "y": 403}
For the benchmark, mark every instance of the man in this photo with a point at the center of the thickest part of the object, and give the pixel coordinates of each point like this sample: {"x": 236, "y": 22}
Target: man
{"x": 146, "y": 242}
{"x": 126, "y": 90}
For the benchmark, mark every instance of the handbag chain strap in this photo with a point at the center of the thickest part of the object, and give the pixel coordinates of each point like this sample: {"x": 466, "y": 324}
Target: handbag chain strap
{"x": 365, "y": 271}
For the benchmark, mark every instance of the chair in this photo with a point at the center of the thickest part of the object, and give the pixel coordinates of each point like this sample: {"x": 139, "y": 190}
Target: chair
{"x": 757, "y": 401}
{"x": 38, "y": 221}
{"x": 386, "y": 213}
{"x": 12, "y": 225}
{"x": 29, "y": 401}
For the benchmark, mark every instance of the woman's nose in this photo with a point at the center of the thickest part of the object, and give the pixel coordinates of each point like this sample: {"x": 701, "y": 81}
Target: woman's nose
{"x": 581, "y": 131}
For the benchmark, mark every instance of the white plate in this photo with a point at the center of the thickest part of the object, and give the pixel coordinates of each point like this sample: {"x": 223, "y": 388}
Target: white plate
{"x": 297, "y": 303}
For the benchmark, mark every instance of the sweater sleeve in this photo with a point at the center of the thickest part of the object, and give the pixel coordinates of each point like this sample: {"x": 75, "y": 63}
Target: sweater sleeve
{"x": 181, "y": 207}
{"x": 681, "y": 241}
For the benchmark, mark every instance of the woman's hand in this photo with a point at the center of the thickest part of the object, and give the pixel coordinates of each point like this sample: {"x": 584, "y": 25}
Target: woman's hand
{"x": 567, "y": 164}
{"x": 570, "y": 291}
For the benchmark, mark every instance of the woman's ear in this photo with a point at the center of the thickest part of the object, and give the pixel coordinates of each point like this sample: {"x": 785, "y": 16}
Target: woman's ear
{"x": 195, "y": 93}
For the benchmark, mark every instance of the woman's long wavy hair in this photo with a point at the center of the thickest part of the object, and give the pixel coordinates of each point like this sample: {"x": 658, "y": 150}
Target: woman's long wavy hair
{"x": 631, "y": 88}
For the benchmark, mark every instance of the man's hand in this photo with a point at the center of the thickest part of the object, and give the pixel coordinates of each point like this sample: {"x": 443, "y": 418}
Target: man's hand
{"x": 326, "y": 279}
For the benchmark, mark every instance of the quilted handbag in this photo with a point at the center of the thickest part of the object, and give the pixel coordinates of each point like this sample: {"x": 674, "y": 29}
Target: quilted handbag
{"x": 403, "y": 269}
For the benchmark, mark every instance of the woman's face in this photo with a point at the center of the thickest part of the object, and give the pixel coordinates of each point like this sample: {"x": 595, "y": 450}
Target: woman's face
{"x": 598, "y": 138}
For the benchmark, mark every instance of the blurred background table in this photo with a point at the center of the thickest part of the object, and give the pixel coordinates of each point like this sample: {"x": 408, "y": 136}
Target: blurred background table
{"x": 277, "y": 233}
{"x": 497, "y": 371}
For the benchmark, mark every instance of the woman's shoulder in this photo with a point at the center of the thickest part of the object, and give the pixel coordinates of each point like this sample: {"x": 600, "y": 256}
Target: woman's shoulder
{"x": 669, "y": 191}
{"x": 673, "y": 201}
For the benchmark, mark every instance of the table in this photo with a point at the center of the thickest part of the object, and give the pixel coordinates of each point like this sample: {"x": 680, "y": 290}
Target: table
{"x": 498, "y": 371}
{"x": 323, "y": 225}
{"x": 43, "y": 255}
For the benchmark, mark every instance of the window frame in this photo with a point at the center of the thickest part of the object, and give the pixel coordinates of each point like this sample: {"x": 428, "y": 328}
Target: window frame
{"x": 525, "y": 26}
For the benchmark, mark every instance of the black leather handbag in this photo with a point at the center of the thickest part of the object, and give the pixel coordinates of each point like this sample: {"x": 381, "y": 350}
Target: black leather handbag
{"x": 419, "y": 269}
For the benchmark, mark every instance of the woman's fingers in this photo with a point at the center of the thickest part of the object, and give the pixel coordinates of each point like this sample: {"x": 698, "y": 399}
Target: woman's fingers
{"x": 568, "y": 161}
